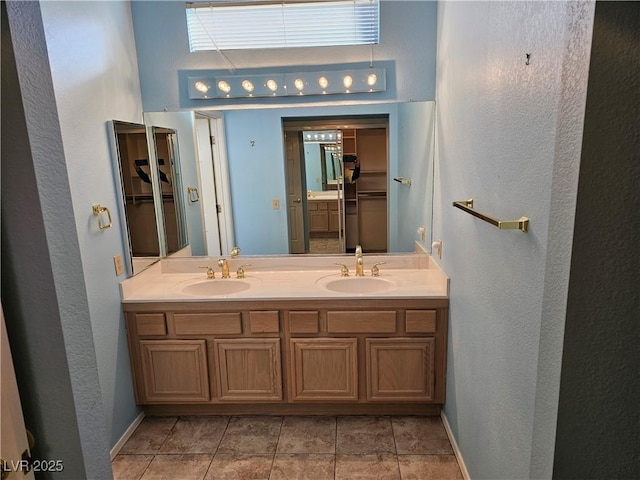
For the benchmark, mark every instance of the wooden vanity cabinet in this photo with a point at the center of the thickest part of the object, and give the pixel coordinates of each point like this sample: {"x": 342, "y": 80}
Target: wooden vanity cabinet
{"x": 319, "y": 356}
{"x": 322, "y": 216}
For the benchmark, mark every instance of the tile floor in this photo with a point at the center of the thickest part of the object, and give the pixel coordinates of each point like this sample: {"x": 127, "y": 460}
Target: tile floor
{"x": 290, "y": 447}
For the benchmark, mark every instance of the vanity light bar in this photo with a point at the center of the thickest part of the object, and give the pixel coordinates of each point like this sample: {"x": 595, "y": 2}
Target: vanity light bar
{"x": 364, "y": 80}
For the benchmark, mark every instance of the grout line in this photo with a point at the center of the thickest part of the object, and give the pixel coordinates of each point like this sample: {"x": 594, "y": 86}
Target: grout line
{"x": 273, "y": 460}
{"x": 395, "y": 446}
{"x": 454, "y": 444}
{"x": 126, "y": 435}
{"x": 167, "y": 436}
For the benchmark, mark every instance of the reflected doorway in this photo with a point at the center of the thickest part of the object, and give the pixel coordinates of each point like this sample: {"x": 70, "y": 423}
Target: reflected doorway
{"x": 336, "y": 178}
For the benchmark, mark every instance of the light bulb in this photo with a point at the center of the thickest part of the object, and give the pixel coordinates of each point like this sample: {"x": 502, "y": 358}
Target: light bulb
{"x": 224, "y": 86}
{"x": 298, "y": 83}
{"x": 372, "y": 78}
{"x": 247, "y": 85}
{"x": 272, "y": 85}
{"x": 347, "y": 81}
{"x": 201, "y": 87}
{"x": 323, "y": 82}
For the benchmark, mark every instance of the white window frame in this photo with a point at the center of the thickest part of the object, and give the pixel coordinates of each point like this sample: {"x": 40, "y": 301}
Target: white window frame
{"x": 259, "y": 25}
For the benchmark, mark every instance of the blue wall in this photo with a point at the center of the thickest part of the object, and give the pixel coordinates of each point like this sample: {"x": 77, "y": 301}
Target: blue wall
{"x": 415, "y": 161}
{"x": 508, "y": 136}
{"x": 98, "y": 36}
{"x": 407, "y": 46}
{"x": 257, "y": 174}
{"x": 313, "y": 166}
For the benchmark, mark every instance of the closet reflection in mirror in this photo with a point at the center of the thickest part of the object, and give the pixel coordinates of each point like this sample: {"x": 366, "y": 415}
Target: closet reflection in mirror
{"x": 151, "y": 210}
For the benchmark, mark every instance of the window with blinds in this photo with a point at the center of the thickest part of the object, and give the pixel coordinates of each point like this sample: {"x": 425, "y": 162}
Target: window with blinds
{"x": 256, "y": 25}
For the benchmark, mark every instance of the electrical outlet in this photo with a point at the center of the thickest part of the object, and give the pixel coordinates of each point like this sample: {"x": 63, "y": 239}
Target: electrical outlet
{"x": 119, "y": 266}
{"x": 276, "y": 204}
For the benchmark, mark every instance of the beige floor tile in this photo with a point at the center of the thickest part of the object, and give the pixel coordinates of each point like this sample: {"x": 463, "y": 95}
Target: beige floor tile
{"x": 251, "y": 435}
{"x": 429, "y": 467}
{"x": 130, "y": 467}
{"x": 308, "y": 435}
{"x": 363, "y": 435}
{"x": 231, "y": 466}
{"x": 420, "y": 435}
{"x": 183, "y": 467}
{"x": 195, "y": 435}
{"x": 149, "y": 435}
{"x": 303, "y": 466}
{"x": 367, "y": 467}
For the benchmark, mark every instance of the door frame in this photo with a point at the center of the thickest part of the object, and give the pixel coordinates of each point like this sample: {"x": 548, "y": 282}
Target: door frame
{"x": 217, "y": 175}
{"x": 334, "y": 122}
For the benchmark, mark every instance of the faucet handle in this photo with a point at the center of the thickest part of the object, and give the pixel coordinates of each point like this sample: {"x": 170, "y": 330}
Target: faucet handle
{"x": 211, "y": 274}
{"x": 375, "y": 271}
{"x": 240, "y": 271}
{"x": 344, "y": 270}
{"x": 235, "y": 251}
{"x": 358, "y": 251}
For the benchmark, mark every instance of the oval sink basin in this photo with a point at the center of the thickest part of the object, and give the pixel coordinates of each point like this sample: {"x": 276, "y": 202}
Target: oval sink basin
{"x": 359, "y": 285}
{"x": 208, "y": 288}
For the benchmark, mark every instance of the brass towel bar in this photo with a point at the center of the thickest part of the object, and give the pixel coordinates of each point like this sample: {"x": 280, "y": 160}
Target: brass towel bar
{"x": 467, "y": 206}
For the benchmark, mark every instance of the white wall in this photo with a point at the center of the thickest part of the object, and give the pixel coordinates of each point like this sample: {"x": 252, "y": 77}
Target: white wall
{"x": 508, "y": 136}
{"x": 95, "y": 77}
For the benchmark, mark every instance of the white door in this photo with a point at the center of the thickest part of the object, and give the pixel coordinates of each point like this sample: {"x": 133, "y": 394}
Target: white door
{"x": 14, "y": 434}
{"x": 208, "y": 194}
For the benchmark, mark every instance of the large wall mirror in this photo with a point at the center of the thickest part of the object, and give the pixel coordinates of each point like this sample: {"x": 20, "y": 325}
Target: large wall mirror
{"x": 381, "y": 214}
{"x": 147, "y": 163}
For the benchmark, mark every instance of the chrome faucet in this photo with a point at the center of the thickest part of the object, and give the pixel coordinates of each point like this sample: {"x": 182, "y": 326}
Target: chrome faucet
{"x": 359, "y": 262}
{"x": 225, "y": 268}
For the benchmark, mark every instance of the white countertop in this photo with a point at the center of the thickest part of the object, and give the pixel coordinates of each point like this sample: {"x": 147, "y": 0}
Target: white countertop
{"x": 414, "y": 276}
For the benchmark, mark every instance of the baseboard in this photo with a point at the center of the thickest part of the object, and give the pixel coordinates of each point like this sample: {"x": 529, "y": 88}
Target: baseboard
{"x": 125, "y": 436}
{"x": 454, "y": 444}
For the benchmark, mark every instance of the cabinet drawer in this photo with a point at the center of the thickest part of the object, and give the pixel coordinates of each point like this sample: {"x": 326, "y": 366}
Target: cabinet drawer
{"x": 207, "y": 323}
{"x": 361, "y": 322}
{"x": 264, "y": 322}
{"x": 150, "y": 324}
{"x": 420, "y": 321}
{"x": 303, "y": 322}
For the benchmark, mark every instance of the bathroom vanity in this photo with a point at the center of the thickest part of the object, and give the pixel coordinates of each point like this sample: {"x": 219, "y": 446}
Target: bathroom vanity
{"x": 293, "y": 336}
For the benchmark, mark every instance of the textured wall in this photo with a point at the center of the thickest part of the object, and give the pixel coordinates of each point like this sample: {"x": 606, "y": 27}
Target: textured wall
{"x": 407, "y": 42}
{"x": 43, "y": 291}
{"x": 95, "y": 79}
{"x": 598, "y": 435}
{"x": 506, "y": 136}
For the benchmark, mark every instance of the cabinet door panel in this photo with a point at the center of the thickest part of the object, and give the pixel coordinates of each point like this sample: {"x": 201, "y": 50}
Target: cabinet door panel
{"x": 324, "y": 369}
{"x": 174, "y": 370}
{"x": 400, "y": 369}
{"x": 319, "y": 221}
{"x": 248, "y": 369}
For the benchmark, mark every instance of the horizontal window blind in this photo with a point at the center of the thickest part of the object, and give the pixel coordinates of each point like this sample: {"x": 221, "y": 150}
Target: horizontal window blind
{"x": 281, "y": 25}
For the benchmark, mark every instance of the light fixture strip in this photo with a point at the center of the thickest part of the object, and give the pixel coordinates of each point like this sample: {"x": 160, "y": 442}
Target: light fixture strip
{"x": 324, "y": 82}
